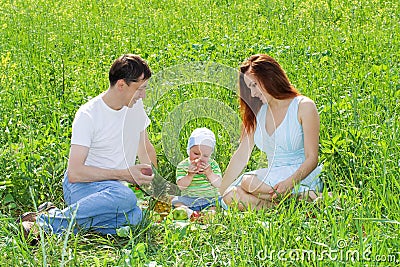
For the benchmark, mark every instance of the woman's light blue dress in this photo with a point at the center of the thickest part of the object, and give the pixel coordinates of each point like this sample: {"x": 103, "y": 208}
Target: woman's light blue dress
{"x": 284, "y": 149}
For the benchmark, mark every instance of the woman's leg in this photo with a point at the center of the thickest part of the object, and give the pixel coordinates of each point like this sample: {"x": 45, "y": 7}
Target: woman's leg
{"x": 254, "y": 186}
{"x": 244, "y": 199}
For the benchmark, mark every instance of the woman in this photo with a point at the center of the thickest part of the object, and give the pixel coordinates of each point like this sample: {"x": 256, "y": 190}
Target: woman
{"x": 283, "y": 124}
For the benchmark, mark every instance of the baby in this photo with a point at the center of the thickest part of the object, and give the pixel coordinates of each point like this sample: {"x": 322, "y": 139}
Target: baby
{"x": 198, "y": 176}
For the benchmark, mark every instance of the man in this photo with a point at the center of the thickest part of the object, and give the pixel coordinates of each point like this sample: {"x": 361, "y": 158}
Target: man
{"x": 108, "y": 133}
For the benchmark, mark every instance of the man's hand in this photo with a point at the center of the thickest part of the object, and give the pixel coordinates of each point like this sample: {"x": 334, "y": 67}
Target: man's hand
{"x": 137, "y": 176}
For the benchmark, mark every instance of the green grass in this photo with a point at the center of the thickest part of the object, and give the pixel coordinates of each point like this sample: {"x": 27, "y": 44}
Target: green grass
{"x": 55, "y": 55}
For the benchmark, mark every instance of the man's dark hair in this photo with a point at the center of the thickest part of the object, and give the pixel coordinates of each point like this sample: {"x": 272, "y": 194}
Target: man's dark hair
{"x": 128, "y": 67}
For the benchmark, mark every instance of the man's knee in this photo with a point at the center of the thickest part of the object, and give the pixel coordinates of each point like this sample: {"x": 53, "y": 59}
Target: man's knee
{"x": 125, "y": 198}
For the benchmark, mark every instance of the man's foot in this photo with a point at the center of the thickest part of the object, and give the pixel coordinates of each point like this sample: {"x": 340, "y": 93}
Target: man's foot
{"x": 31, "y": 232}
{"x": 28, "y": 223}
{"x": 31, "y": 216}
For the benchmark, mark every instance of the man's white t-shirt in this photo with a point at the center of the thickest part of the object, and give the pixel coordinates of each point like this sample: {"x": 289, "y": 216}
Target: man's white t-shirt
{"x": 112, "y": 136}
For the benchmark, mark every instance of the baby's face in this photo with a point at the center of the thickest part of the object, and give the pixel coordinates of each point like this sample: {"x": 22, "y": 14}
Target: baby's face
{"x": 200, "y": 153}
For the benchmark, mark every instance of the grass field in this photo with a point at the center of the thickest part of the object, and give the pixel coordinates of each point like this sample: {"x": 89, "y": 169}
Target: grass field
{"x": 55, "y": 55}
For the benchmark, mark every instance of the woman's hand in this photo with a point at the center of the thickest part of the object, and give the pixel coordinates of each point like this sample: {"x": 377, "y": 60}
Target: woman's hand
{"x": 282, "y": 188}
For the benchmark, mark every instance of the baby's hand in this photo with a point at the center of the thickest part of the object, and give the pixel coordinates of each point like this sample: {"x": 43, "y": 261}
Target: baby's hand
{"x": 192, "y": 169}
{"x": 203, "y": 167}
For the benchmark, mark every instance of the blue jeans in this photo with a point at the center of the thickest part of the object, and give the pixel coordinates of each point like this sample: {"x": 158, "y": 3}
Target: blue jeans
{"x": 198, "y": 203}
{"x": 99, "y": 206}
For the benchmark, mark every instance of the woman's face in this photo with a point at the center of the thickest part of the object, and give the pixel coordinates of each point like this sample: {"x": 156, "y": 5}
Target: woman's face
{"x": 255, "y": 88}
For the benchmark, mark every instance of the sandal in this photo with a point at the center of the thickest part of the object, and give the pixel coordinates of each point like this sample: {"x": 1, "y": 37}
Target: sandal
{"x": 31, "y": 232}
{"x": 28, "y": 223}
{"x": 31, "y": 216}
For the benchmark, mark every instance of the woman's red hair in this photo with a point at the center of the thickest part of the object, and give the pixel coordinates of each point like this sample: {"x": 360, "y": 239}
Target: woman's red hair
{"x": 271, "y": 78}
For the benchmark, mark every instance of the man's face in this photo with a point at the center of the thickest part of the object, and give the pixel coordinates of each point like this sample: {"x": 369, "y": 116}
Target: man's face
{"x": 136, "y": 91}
